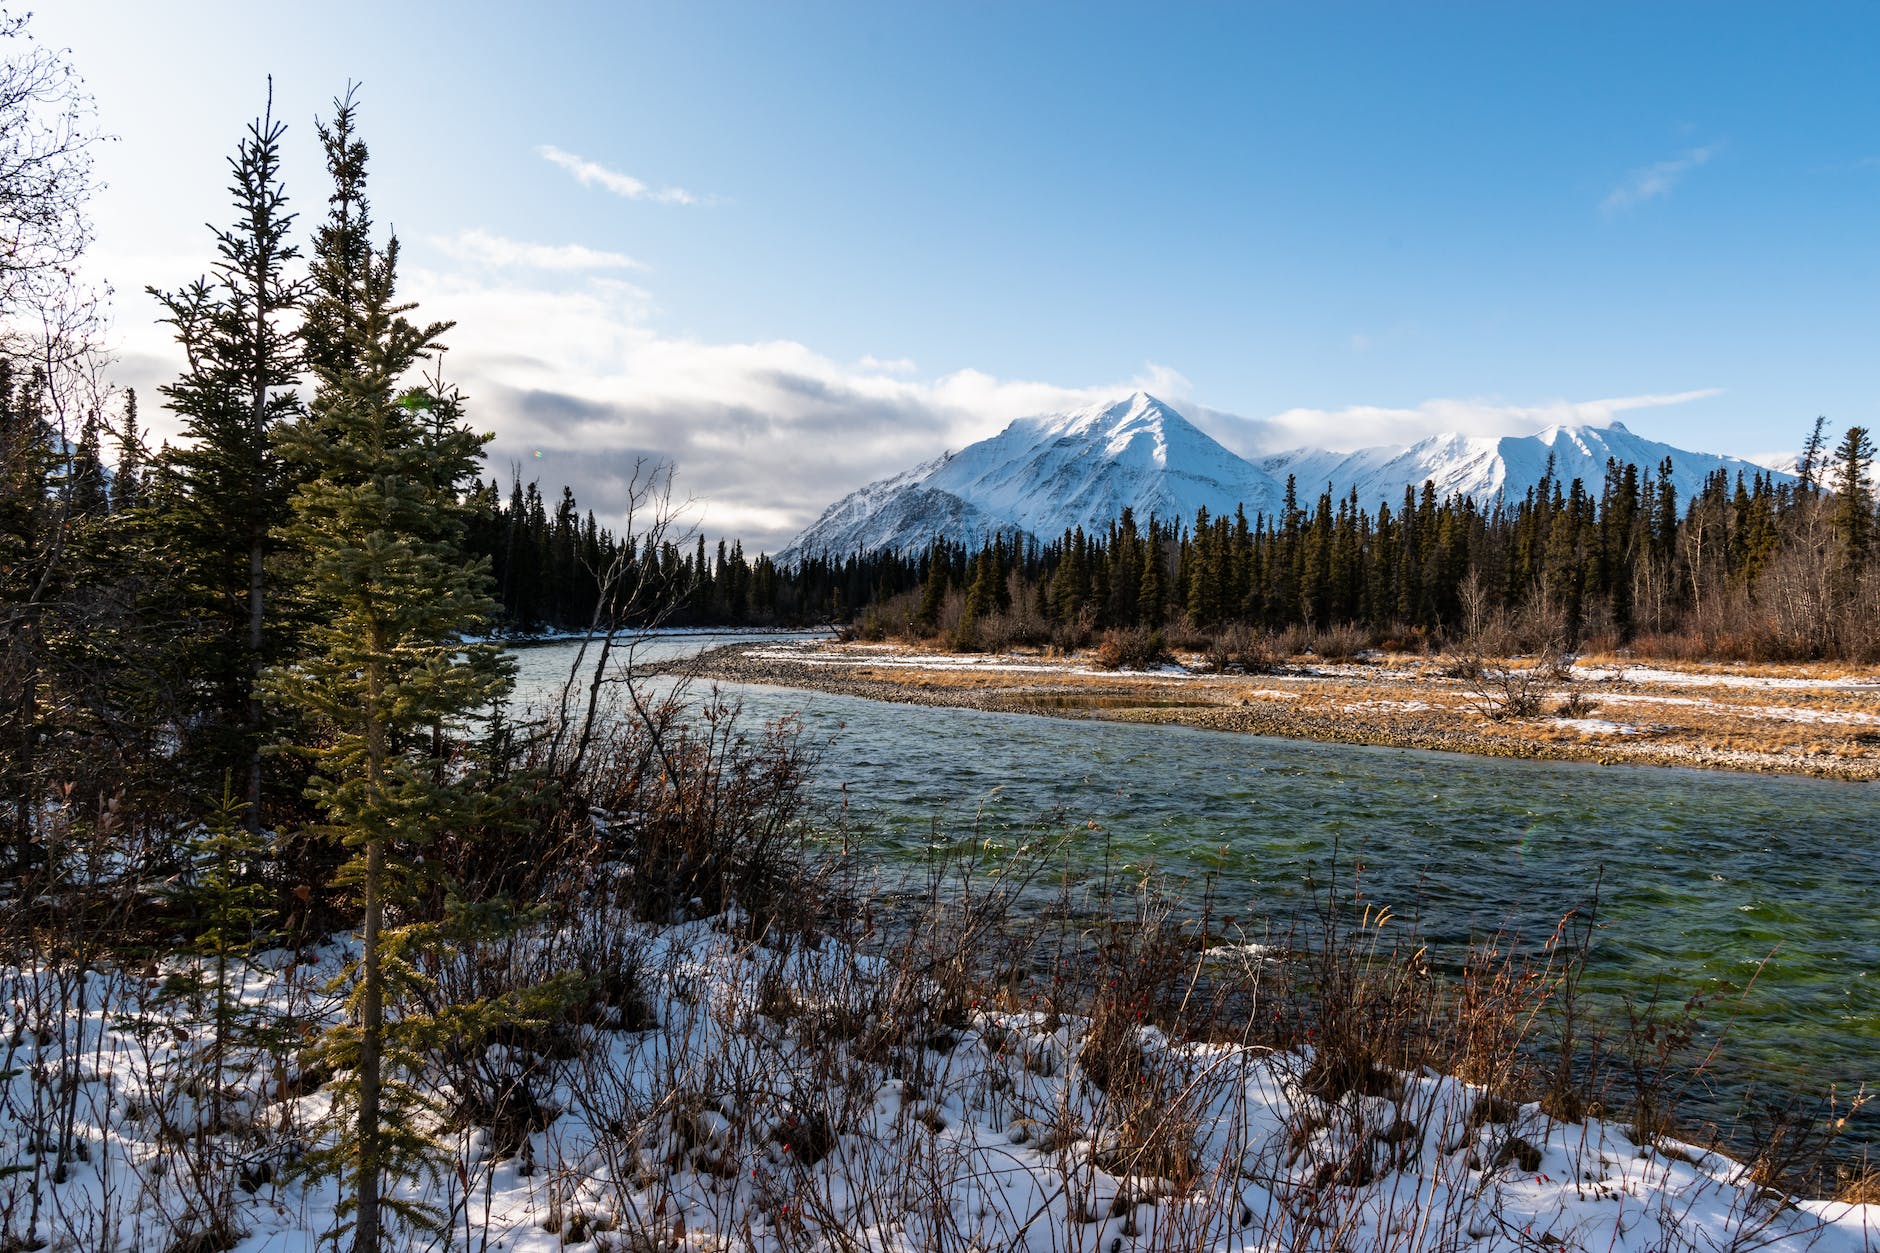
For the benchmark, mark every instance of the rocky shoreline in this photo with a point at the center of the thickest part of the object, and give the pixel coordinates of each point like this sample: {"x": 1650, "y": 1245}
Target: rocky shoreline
{"x": 1199, "y": 703}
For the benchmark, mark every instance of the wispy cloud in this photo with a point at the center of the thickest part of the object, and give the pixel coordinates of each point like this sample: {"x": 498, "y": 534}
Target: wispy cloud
{"x": 483, "y": 248}
{"x": 1367, "y": 426}
{"x": 580, "y": 382}
{"x": 594, "y": 174}
{"x": 1655, "y": 182}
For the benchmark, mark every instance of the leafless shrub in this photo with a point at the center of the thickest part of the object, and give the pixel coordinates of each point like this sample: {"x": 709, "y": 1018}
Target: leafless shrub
{"x": 1069, "y": 637}
{"x": 1339, "y": 643}
{"x": 1182, "y": 633}
{"x": 1137, "y": 649}
{"x": 1505, "y": 689}
{"x": 1577, "y": 704}
{"x": 1858, "y": 1183}
{"x": 1293, "y": 641}
{"x": 1238, "y": 647}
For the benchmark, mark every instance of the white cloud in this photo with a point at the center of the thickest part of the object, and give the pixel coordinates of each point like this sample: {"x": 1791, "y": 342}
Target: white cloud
{"x": 1654, "y": 182}
{"x": 1366, "y": 426}
{"x": 593, "y": 174}
{"x": 763, "y": 434}
{"x": 481, "y": 247}
{"x": 578, "y": 382}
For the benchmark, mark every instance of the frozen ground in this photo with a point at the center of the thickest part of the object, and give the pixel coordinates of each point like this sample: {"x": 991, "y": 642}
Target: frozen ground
{"x": 766, "y": 1099}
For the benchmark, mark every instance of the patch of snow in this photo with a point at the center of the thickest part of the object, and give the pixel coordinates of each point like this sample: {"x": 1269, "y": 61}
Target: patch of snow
{"x": 1767, "y": 713}
{"x": 1371, "y": 706}
{"x": 1045, "y": 475}
{"x": 1689, "y": 678}
{"x": 1595, "y": 726}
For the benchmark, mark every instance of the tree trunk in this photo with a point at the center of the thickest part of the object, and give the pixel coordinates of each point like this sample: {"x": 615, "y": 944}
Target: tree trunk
{"x": 372, "y": 996}
{"x": 257, "y": 552}
{"x": 255, "y": 590}
{"x": 371, "y": 1033}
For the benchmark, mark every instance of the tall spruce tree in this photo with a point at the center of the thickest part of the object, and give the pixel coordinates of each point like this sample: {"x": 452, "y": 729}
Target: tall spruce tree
{"x": 1853, "y": 510}
{"x": 381, "y": 467}
{"x": 128, "y": 479}
{"x": 235, "y": 329}
{"x": 88, "y": 491}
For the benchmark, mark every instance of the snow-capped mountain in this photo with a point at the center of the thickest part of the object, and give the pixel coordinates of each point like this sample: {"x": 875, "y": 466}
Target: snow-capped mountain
{"x": 903, "y": 512}
{"x": 1483, "y": 466}
{"x": 1042, "y": 476}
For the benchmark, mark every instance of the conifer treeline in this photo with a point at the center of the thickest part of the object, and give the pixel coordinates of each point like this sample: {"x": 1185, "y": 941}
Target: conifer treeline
{"x": 550, "y": 569}
{"x": 1751, "y": 567}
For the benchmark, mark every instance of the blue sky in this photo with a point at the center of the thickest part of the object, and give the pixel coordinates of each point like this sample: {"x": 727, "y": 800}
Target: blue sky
{"x": 816, "y": 243}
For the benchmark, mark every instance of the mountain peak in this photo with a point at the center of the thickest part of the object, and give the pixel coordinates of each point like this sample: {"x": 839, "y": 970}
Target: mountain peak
{"x": 1045, "y": 475}
{"x": 1138, "y": 408}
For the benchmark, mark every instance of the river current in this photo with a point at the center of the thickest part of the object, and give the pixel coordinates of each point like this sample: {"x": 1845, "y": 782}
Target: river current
{"x": 1760, "y": 893}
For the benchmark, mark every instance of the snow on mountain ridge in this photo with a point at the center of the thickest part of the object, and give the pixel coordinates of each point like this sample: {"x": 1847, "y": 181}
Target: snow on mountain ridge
{"x": 1483, "y": 466}
{"x": 1047, "y": 474}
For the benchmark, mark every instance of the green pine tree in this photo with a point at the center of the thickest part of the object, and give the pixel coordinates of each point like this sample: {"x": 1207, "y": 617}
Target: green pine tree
{"x": 1853, "y": 496}
{"x": 128, "y": 479}
{"x": 221, "y": 531}
{"x": 88, "y": 492}
{"x": 378, "y": 517}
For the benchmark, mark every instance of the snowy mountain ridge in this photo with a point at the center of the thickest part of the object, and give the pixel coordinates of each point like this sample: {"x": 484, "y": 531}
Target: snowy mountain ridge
{"x": 1484, "y": 466}
{"x": 1047, "y": 474}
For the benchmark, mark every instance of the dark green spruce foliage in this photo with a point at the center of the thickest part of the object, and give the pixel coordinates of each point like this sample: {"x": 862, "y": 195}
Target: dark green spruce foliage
{"x": 220, "y": 526}
{"x": 548, "y": 566}
{"x": 383, "y": 673}
{"x": 1854, "y": 499}
{"x": 29, "y": 532}
{"x": 127, "y": 481}
{"x": 1614, "y": 561}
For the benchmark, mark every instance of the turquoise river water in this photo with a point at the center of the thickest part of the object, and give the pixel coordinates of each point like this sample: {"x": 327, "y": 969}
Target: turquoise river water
{"x": 1710, "y": 882}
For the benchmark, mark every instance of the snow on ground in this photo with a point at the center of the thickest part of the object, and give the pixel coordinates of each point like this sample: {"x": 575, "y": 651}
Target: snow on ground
{"x": 773, "y": 1104}
{"x": 887, "y": 657}
{"x": 1698, "y": 678}
{"x": 1594, "y": 726}
{"x": 1397, "y": 706}
{"x": 1776, "y": 713}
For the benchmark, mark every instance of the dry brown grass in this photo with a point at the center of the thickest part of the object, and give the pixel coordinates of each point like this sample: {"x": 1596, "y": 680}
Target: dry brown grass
{"x": 1859, "y": 1185}
{"x": 1415, "y": 699}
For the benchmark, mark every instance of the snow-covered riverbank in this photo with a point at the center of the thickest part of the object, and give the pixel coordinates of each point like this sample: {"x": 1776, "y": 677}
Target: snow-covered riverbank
{"x": 807, "y": 1096}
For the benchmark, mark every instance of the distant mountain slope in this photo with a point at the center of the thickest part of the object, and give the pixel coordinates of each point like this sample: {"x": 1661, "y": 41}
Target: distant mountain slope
{"x": 1482, "y": 466}
{"x": 1044, "y": 475}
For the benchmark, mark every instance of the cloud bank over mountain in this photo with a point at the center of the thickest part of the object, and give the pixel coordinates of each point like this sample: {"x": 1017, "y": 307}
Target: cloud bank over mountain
{"x": 570, "y": 365}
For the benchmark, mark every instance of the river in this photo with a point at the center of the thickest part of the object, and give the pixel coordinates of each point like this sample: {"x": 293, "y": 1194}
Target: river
{"x": 1760, "y": 892}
